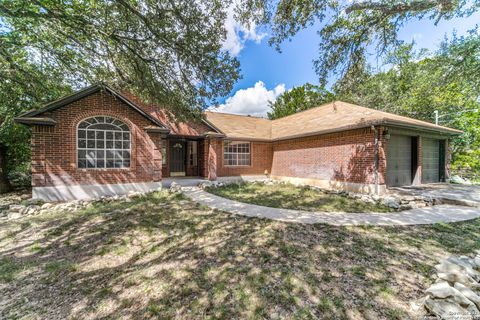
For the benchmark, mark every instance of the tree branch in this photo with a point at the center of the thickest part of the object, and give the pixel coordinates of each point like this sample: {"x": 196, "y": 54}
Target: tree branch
{"x": 386, "y": 8}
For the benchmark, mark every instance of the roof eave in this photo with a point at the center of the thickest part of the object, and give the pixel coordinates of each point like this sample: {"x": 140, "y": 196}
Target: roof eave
{"x": 439, "y": 129}
{"x": 214, "y": 135}
{"x": 154, "y": 129}
{"x": 247, "y": 139}
{"x": 35, "y": 121}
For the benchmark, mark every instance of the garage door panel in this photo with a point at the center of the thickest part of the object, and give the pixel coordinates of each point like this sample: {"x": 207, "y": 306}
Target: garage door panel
{"x": 430, "y": 160}
{"x": 399, "y": 160}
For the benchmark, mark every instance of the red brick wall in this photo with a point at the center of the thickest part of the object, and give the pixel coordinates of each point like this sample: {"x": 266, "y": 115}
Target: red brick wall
{"x": 261, "y": 160}
{"x": 347, "y": 156}
{"x": 54, "y": 151}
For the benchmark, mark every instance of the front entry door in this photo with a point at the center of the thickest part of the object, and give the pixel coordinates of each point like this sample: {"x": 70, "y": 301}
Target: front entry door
{"x": 177, "y": 159}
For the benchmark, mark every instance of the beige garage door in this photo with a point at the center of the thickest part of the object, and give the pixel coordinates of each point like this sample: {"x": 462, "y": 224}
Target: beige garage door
{"x": 399, "y": 161}
{"x": 430, "y": 160}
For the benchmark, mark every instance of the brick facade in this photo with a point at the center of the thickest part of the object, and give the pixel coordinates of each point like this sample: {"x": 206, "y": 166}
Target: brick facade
{"x": 54, "y": 152}
{"x": 347, "y": 156}
{"x": 260, "y": 160}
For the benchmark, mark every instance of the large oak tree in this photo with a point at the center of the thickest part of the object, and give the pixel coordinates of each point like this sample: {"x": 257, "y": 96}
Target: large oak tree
{"x": 167, "y": 52}
{"x": 349, "y": 31}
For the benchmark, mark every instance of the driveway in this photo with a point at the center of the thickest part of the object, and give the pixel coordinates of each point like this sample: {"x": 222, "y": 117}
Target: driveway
{"x": 453, "y": 193}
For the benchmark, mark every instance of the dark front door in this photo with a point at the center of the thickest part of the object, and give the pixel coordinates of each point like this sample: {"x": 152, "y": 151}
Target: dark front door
{"x": 177, "y": 158}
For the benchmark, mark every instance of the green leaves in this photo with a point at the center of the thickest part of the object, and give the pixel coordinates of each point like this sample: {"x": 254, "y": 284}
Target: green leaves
{"x": 299, "y": 99}
{"x": 166, "y": 52}
{"x": 349, "y": 30}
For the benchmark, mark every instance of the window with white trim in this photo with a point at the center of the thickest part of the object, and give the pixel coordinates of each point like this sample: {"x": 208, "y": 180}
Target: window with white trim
{"x": 236, "y": 153}
{"x": 103, "y": 142}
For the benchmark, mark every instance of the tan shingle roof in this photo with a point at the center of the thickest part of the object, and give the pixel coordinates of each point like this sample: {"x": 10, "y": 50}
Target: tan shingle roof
{"x": 237, "y": 126}
{"x": 331, "y": 117}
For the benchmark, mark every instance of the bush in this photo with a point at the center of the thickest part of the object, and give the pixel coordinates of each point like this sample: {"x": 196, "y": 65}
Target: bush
{"x": 20, "y": 177}
{"x": 467, "y": 165}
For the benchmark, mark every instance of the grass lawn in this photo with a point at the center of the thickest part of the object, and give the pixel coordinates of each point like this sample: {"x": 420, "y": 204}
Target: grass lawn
{"x": 162, "y": 256}
{"x": 288, "y": 196}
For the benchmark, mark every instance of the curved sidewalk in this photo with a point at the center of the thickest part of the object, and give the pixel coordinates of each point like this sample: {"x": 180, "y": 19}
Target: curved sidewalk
{"x": 428, "y": 215}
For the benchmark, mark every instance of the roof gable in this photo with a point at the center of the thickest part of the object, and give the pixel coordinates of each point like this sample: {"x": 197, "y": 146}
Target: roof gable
{"x": 30, "y": 116}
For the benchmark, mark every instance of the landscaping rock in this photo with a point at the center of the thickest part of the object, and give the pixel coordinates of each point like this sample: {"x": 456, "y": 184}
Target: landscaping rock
{"x": 175, "y": 187}
{"x": 446, "y": 309}
{"x": 413, "y": 204}
{"x": 32, "y": 209}
{"x": 367, "y": 199}
{"x": 455, "y": 265}
{"x": 405, "y": 206}
{"x": 47, "y": 205}
{"x": 443, "y": 290}
{"x": 440, "y": 290}
{"x": 391, "y": 202}
{"x": 204, "y": 184}
{"x": 456, "y": 292}
{"x": 134, "y": 194}
{"x": 14, "y": 215}
{"x": 459, "y": 180}
{"x": 477, "y": 262}
{"x": 16, "y": 208}
{"x": 421, "y": 205}
{"x": 468, "y": 293}
{"x": 459, "y": 277}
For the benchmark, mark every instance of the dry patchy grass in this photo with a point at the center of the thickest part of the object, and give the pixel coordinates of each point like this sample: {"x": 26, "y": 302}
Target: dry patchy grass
{"x": 288, "y": 196}
{"x": 162, "y": 256}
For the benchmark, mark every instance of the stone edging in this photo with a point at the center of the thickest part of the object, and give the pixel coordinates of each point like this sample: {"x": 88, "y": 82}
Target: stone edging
{"x": 456, "y": 291}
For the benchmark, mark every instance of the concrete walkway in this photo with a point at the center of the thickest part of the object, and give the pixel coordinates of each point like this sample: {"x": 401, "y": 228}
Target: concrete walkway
{"x": 429, "y": 215}
{"x": 464, "y": 195}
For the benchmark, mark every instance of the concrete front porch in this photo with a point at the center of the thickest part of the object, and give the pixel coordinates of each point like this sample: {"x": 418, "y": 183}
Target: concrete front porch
{"x": 467, "y": 195}
{"x": 194, "y": 181}
{"x": 183, "y": 181}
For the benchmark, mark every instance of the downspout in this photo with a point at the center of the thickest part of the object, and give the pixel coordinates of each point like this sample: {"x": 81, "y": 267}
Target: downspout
{"x": 376, "y": 134}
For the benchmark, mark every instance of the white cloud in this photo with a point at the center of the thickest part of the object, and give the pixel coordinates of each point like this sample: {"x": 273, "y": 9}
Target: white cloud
{"x": 237, "y": 34}
{"x": 251, "y": 101}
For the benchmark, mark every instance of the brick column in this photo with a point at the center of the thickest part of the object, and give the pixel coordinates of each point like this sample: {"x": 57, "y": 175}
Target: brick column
{"x": 382, "y": 157}
{"x": 156, "y": 155}
{"x": 38, "y": 155}
{"x": 212, "y": 159}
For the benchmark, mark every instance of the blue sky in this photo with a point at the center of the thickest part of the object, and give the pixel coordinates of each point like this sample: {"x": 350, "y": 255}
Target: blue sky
{"x": 267, "y": 73}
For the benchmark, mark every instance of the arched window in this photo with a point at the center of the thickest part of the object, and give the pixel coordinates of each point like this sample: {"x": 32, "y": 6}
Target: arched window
{"x": 103, "y": 142}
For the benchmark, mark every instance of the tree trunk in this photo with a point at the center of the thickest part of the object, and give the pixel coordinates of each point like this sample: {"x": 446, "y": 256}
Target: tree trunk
{"x": 5, "y": 185}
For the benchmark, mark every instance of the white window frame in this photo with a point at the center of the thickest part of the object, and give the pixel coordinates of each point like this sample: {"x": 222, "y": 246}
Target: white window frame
{"x": 236, "y": 154}
{"x": 104, "y": 149}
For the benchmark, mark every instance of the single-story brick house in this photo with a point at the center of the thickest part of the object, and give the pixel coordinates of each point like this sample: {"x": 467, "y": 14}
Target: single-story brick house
{"x": 99, "y": 141}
